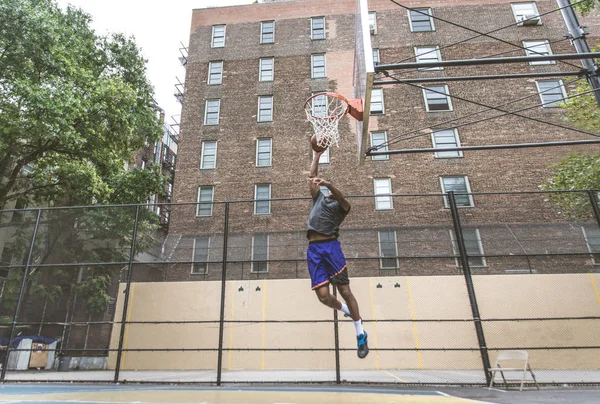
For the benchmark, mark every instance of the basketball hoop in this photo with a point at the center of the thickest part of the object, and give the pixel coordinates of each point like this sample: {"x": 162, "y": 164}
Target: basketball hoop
{"x": 324, "y": 111}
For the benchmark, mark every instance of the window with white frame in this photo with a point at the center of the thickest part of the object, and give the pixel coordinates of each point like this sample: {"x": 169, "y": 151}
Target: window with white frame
{"x": 260, "y": 253}
{"x": 592, "y": 239}
{"x": 265, "y": 108}
{"x": 462, "y": 191}
{"x": 437, "y": 99}
{"x": 324, "y": 159}
{"x": 215, "y": 72}
{"x": 526, "y": 13}
{"x": 552, "y": 92}
{"x": 318, "y": 65}
{"x": 211, "y": 112}
{"x": 373, "y": 22}
{"x": 420, "y": 20}
{"x": 376, "y": 57}
{"x": 388, "y": 249}
{"x": 262, "y": 196}
{"x": 379, "y": 138}
{"x": 144, "y": 163}
{"x": 428, "y": 54}
{"x": 377, "y": 105}
{"x": 264, "y": 152}
{"x": 200, "y": 255}
{"x": 208, "y": 159}
{"x": 445, "y": 139}
{"x": 473, "y": 247}
{"x": 267, "y": 32}
{"x": 317, "y": 28}
{"x": 218, "y": 36}
{"x": 205, "y": 200}
{"x": 266, "y": 69}
{"x": 536, "y": 48}
{"x": 383, "y": 191}
{"x": 319, "y": 105}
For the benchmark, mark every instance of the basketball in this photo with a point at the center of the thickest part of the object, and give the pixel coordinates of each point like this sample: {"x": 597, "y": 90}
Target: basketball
{"x": 313, "y": 143}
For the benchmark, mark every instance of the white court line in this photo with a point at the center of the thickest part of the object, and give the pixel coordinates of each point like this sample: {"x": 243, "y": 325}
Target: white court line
{"x": 462, "y": 398}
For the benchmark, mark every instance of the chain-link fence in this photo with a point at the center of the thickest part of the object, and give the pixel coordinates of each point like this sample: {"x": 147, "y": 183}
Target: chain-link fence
{"x": 443, "y": 282}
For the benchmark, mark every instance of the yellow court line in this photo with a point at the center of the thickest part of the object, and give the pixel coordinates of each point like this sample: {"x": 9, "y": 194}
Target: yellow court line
{"x": 414, "y": 324}
{"x": 231, "y": 324}
{"x": 393, "y": 375}
{"x": 127, "y": 319}
{"x": 264, "y": 317}
{"x": 595, "y": 287}
{"x": 375, "y": 323}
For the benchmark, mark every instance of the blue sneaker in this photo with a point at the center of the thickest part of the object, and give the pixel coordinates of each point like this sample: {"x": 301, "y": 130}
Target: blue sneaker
{"x": 363, "y": 346}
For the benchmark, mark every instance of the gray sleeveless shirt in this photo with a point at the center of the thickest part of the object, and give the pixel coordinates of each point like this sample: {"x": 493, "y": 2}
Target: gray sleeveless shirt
{"x": 326, "y": 215}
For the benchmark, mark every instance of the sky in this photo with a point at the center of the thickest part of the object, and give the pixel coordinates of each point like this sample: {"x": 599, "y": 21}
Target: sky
{"x": 158, "y": 27}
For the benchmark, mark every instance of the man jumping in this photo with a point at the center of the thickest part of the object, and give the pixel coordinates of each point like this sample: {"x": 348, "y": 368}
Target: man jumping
{"x": 326, "y": 261}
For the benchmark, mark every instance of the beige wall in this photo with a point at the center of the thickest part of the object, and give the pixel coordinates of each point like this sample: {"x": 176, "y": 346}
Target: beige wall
{"x": 423, "y": 298}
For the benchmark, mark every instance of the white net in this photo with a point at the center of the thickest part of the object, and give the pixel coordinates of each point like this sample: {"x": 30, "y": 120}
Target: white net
{"x": 324, "y": 112}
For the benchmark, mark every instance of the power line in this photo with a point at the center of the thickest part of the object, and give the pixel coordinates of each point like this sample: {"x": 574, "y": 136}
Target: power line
{"x": 470, "y": 29}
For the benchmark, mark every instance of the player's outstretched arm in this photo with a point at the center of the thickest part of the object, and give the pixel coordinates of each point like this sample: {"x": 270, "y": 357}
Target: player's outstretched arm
{"x": 314, "y": 171}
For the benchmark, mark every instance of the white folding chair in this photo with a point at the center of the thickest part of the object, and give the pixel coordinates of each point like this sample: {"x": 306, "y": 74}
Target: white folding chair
{"x": 513, "y": 359}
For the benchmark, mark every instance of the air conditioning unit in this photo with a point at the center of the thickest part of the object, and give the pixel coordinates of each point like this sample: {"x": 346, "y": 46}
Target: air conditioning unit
{"x": 529, "y": 19}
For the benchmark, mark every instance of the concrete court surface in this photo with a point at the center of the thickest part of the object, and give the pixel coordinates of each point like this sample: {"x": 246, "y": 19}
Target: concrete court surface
{"x": 130, "y": 394}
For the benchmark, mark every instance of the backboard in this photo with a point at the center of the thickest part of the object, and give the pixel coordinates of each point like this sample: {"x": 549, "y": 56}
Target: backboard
{"x": 364, "y": 70}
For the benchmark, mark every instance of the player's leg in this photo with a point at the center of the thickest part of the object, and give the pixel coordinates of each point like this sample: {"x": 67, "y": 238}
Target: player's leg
{"x": 350, "y": 300}
{"x": 325, "y": 297}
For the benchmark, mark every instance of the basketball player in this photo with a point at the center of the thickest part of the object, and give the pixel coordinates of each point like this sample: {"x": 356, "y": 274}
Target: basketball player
{"x": 326, "y": 261}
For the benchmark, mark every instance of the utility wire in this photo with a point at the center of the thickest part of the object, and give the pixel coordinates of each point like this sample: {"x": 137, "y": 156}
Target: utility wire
{"x": 400, "y": 137}
{"x": 479, "y": 34}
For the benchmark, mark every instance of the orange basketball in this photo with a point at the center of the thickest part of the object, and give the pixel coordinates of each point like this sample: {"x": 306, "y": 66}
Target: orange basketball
{"x": 313, "y": 143}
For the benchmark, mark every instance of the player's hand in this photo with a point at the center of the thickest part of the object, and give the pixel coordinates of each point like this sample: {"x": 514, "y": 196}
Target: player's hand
{"x": 321, "y": 182}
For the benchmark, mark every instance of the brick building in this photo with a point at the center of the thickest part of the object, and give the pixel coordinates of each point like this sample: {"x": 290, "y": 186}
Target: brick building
{"x": 244, "y": 136}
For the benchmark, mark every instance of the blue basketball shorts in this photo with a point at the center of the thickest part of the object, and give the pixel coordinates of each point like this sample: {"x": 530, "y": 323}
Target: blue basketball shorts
{"x": 326, "y": 263}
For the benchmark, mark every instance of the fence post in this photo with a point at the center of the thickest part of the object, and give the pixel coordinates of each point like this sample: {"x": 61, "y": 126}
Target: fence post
{"x": 20, "y": 299}
{"x": 337, "y": 342}
{"x": 594, "y": 201}
{"x": 464, "y": 259}
{"x": 223, "y": 279}
{"x": 127, "y": 292}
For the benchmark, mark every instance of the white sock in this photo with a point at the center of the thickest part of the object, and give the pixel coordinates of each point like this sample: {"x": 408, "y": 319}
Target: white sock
{"x": 344, "y": 308}
{"x": 358, "y": 326}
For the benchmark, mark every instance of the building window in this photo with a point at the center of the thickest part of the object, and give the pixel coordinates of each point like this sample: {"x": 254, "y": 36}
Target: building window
{"x": 262, "y": 196}
{"x": 420, "y": 20}
{"x": 317, "y": 28}
{"x": 473, "y": 245}
{"x": 444, "y": 139}
{"x": 211, "y": 113}
{"x": 437, "y": 98}
{"x": 373, "y": 22}
{"x": 218, "y": 36}
{"x": 552, "y": 92}
{"x": 319, "y": 105}
{"x": 267, "y": 32}
{"x": 376, "y": 58}
{"x": 144, "y": 163}
{"x": 318, "y": 66}
{"x": 536, "y": 48}
{"x": 428, "y": 54}
{"x": 526, "y": 13}
{"x": 200, "y": 255}
{"x": 461, "y": 188}
{"x": 592, "y": 239}
{"x": 209, "y": 155}
{"x": 266, "y": 69}
{"x": 324, "y": 159}
{"x": 205, "y": 199}
{"x": 260, "y": 253}
{"x": 263, "y": 152}
{"x": 377, "y": 106}
{"x": 215, "y": 72}
{"x": 388, "y": 249}
{"x": 265, "y": 108}
{"x": 383, "y": 187}
{"x": 379, "y": 138}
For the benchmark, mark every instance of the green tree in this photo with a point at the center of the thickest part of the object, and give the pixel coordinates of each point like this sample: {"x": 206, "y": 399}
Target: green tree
{"x": 74, "y": 107}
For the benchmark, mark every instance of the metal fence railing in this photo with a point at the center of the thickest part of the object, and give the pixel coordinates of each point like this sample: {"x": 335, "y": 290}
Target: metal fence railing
{"x": 444, "y": 283}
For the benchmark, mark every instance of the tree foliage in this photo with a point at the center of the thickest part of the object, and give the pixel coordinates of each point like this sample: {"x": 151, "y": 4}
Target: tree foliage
{"x": 74, "y": 107}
